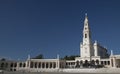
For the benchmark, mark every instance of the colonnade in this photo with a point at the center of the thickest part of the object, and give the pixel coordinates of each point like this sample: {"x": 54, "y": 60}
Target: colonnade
{"x": 105, "y": 62}
{"x": 43, "y": 65}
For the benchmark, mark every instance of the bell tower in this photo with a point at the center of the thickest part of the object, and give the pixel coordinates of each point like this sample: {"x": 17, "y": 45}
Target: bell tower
{"x": 86, "y": 46}
{"x": 86, "y": 32}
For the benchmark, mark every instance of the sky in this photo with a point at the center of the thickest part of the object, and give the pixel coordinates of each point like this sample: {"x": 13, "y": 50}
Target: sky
{"x": 52, "y": 27}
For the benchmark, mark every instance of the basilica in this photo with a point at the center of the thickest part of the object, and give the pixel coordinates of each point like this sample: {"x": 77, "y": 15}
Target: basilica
{"x": 92, "y": 55}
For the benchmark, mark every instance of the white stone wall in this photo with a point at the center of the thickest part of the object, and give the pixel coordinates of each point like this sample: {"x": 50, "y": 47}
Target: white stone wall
{"x": 100, "y": 51}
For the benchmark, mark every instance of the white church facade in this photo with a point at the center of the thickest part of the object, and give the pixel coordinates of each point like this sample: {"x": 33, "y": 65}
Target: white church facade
{"x": 92, "y": 55}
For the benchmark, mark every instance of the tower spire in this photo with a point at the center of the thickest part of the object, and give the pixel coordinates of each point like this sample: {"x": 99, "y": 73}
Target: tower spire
{"x": 86, "y": 46}
{"x": 86, "y": 31}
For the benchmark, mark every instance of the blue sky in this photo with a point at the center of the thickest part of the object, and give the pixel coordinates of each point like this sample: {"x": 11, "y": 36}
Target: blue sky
{"x": 52, "y": 27}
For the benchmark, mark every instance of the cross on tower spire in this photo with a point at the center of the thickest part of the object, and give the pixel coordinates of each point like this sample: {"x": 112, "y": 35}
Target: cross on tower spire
{"x": 85, "y": 14}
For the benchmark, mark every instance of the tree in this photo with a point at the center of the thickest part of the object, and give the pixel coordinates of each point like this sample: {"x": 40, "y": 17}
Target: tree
{"x": 3, "y": 59}
{"x": 72, "y": 57}
{"x": 40, "y": 56}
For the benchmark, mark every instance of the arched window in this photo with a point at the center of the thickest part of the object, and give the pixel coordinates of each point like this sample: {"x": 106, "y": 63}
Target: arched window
{"x": 11, "y": 65}
{"x": 102, "y": 62}
{"x": 92, "y": 62}
{"x": 108, "y": 62}
{"x": 20, "y": 65}
{"x": 24, "y": 64}
{"x": 77, "y": 64}
{"x": 6, "y": 65}
{"x": 46, "y": 65}
{"x": 54, "y": 65}
{"x": 97, "y": 61}
{"x": 35, "y": 64}
{"x": 105, "y": 62}
{"x": 43, "y": 65}
{"x": 39, "y": 65}
{"x": 15, "y": 65}
{"x": 14, "y": 69}
{"x": 2, "y": 65}
{"x": 31, "y": 64}
{"x": 50, "y": 65}
{"x": 11, "y": 70}
{"x": 85, "y": 35}
{"x": 86, "y": 63}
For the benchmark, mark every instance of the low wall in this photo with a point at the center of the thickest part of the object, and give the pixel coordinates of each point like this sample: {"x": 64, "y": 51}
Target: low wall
{"x": 92, "y": 70}
{"x": 71, "y": 71}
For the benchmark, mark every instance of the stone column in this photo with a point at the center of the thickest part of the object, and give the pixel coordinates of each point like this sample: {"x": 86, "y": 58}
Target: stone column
{"x": 33, "y": 64}
{"x": 28, "y": 65}
{"x": 57, "y": 64}
{"x": 100, "y": 62}
{"x": 37, "y": 65}
{"x": 41, "y": 65}
{"x": 53, "y": 63}
{"x": 114, "y": 62}
{"x": 111, "y": 62}
{"x": 48, "y": 65}
{"x": 17, "y": 66}
{"x": 106, "y": 62}
{"x": 45, "y": 64}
